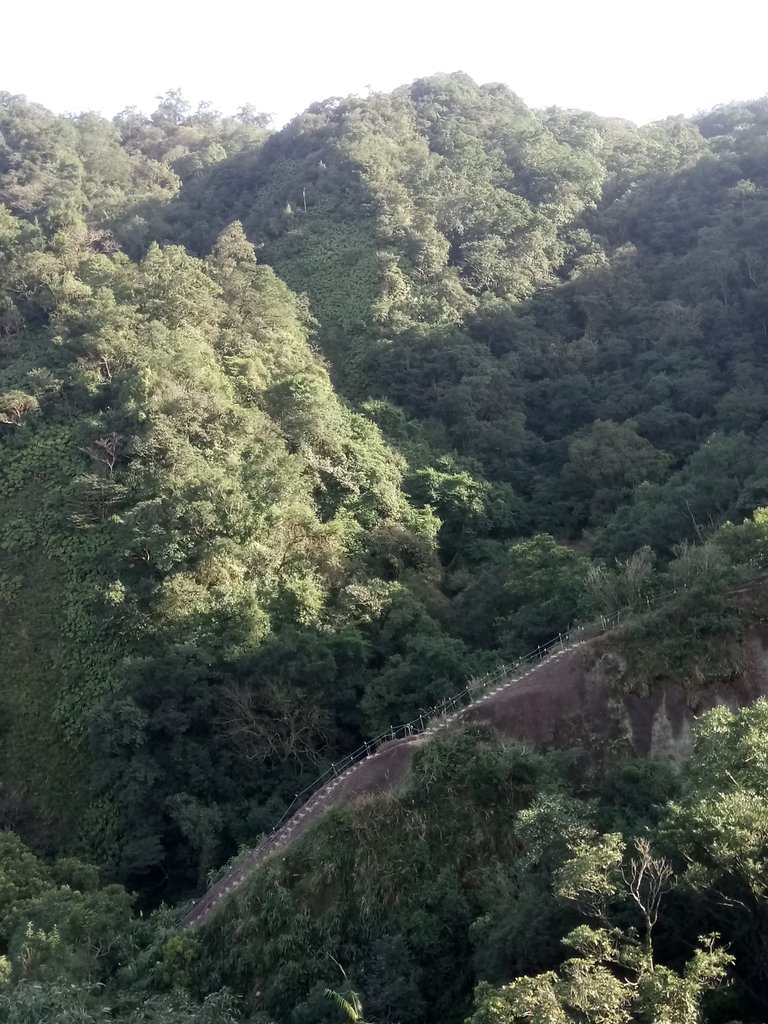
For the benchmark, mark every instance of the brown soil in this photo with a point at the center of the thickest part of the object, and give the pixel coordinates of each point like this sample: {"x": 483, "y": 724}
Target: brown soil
{"x": 568, "y": 701}
{"x": 380, "y": 771}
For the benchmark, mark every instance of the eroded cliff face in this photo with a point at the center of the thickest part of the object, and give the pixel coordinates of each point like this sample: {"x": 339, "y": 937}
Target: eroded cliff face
{"x": 583, "y": 702}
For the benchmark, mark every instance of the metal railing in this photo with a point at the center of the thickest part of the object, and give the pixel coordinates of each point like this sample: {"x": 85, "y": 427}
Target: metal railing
{"x": 430, "y": 719}
{"x": 449, "y": 706}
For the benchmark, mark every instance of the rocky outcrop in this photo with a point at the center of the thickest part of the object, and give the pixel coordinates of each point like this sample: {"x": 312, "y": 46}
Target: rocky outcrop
{"x": 580, "y": 702}
{"x": 574, "y": 700}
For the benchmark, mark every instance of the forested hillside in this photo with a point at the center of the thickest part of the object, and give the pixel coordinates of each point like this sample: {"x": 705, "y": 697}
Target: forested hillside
{"x": 301, "y": 429}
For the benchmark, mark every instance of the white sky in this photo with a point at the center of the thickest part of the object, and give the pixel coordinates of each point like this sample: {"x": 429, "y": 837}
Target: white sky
{"x": 641, "y": 59}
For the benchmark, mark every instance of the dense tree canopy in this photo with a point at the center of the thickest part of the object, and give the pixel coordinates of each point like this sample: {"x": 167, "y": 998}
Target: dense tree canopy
{"x": 301, "y": 429}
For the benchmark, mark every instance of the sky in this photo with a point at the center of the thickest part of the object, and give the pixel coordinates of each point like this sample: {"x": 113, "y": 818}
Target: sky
{"x": 641, "y": 60}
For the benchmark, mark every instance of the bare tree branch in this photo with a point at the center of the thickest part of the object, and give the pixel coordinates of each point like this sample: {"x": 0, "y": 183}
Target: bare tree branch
{"x": 107, "y": 450}
{"x": 274, "y": 722}
{"x": 648, "y": 879}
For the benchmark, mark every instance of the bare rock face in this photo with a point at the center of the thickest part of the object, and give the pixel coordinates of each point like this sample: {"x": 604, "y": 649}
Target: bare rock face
{"x": 563, "y": 704}
{"x": 577, "y": 700}
{"x": 580, "y": 702}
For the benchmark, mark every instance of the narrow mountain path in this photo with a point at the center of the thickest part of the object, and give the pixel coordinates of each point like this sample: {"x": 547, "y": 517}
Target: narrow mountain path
{"x": 378, "y": 771}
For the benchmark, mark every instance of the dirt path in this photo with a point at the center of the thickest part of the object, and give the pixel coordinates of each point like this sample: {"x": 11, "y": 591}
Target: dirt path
{"x": 375, "y": 773}
{"x": 540, "y": 706}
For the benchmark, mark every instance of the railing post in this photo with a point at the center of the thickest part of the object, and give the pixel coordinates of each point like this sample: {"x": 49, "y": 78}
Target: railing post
{"x": 449, "y": 704}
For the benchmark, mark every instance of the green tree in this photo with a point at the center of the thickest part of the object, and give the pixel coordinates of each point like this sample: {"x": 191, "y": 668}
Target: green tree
{"x": 614, "y": 978}
{"x": 22, "y": 878}
{"x": 544, "y": 590}
{"x": 606, "y": 461}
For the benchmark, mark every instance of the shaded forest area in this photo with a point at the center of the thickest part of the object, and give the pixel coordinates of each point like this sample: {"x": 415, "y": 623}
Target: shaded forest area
{"x": 301, "y": 429}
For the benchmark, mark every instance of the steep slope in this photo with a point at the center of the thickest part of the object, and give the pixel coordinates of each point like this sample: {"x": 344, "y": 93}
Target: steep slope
{"x": 440, "y": 860}
{"x": 562, "y": 307}
{"x": 179, "y": 483}
{"x": 217, "y": 576}
{"x": 241, "y": 571}
{"x": 428, "y": 203}
{"x": 576, "y": 695}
